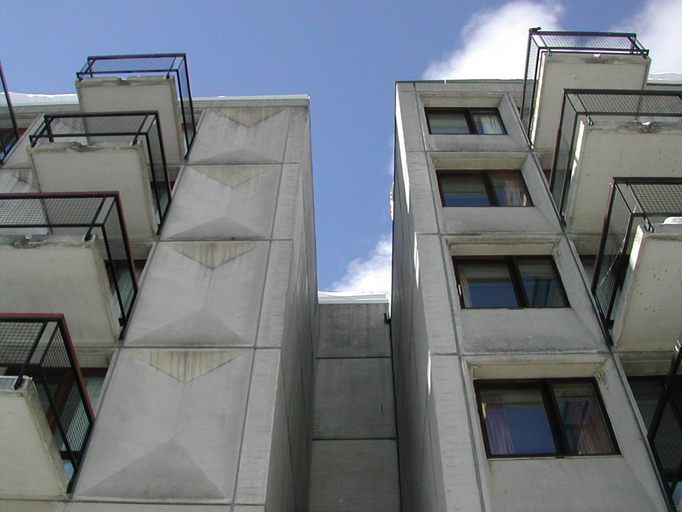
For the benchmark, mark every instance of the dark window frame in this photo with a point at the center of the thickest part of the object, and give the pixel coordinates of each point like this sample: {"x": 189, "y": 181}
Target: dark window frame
{"x": 469, "y": 114}
{"x": 556, "y": 424}
{"x": 488, "y": 184}
{"x": 511, "y": 263}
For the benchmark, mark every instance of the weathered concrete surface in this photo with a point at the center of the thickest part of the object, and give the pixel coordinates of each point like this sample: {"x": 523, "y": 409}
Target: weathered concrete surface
{"x": 354, "y": 476}
{"x": 353, "y": 330}
{"x": 354, "y": 399}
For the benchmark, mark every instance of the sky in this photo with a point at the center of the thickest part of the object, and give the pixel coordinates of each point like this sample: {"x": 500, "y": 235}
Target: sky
{"x": 346, "y": 55}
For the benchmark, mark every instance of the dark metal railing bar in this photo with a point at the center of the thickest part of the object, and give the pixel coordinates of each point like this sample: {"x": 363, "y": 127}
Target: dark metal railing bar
{"x": 93, "y": 224}
{"x": 114, "y": 277}
{"x": 27, "y": 361}
{"x": 155, "y": 191}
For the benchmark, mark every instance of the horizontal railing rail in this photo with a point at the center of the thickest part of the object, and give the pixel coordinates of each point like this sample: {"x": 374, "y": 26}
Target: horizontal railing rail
{"x": 166, "y": 64}
{"x": 541, "y": 42}
{"x": 85, "y": 213}
{"x": 633, "y": 202}
{"x": 124, "y": 127}
{"x": 9, "y": 131}
{"x": 599, "y": 104}
{"x": 665, "y": 432}
{"x": 39, "y": 347}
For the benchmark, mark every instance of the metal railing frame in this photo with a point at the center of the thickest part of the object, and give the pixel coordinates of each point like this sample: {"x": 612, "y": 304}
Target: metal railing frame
{"x": 636, "y": 212}
{"x": 573, "y": 102}
{"x": 98, "y": 221}
{"x": 45, "y": 131}
{"x": 178, "y": 67}
{"x": 51, "y": 330}
{"x": 537, "y": 46}
{"x": 667, "y": 398}
{"x": 6, "y": 145}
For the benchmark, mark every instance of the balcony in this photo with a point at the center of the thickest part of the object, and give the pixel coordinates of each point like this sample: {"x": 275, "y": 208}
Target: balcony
{"x": 46, "y": 413}
{"x": 68, "y": 253}
{"x": 107, "y": 151}
{"x": 611, "y": 133}
{"x": 638, "y": 270}
{"x": 158, "y": 82}
{"x": 665, "y": 432}
{"x": 9, "y": 133}
{"x": 561, "y": 60}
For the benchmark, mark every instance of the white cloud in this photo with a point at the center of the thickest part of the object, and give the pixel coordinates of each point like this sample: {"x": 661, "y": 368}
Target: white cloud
{"x": 371, "y": 274}
{"x": 494, "y": 41}
{"x": 657, "y": 26}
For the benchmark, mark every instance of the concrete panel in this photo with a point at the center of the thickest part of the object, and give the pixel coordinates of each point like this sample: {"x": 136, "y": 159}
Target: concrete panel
{"x": 138, "y": 507}
{"x": 354, "y": 399}
{"x": 170, "y": 427}
{"x": 649, "y": 309}
{"x": 298, "y": 136}
{"x": 71, "y": 166}
{"x": 200, "y": 294}
{"x": 254, "y": 463}
{"x": 350, "y": 476}
{"x": 408, "y": 129}
{"x": 224, "y": 202}
{"x": 623, "y": 149}
{"x": 31, "y": 506}
{"x": 241, "y": 135}
{"x": 275, "y": 295}
{"x": 560, "y": 70}
{"x": 290, "y": 202}
{"x": 151, "y": 93}
{"x": 30, "y": 465}
{"x": 79, "y": 289}
{"x": 353, "y": 330}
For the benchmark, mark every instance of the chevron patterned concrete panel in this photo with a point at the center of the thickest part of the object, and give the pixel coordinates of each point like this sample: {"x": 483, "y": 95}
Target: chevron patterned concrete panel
{"x": 224, "y": 202}
{"x": 201, "y": 294}
{"x": 241, "y": 135}
{"x": 172, "y": 413}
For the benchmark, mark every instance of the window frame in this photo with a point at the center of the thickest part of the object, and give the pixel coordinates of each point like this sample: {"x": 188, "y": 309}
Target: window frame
{"x": 516, "y": 279}
{"x": 556, "y": 425}
{"x": 469, "y": 114}
{"x": 487, "y": 183}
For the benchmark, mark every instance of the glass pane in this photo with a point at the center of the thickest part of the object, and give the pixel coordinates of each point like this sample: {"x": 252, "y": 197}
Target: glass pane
{"x": 463, "y": 190}
{"x": 448, "y": 122}
{"x": 516, "y": 421}
{"x": 647, "y": 392}
{"x": 509, "y": 188}
{"x": 487, "y": 285}
{"x": 541, "y": 283}
{"x": 582, "y": 419}
{"x": 488, "y": 122}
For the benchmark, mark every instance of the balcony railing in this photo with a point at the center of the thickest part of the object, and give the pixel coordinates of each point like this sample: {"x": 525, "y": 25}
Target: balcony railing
{"x": 542, "y": 42}
{"x": 9, "y": 133}
{"x": 151, "y": 64}
{"x": 124, "y": 127}
{"x": 39, "y": 347}
{"x": 633, "y": 202}
{"x": 598, "y": 104}
{"x": 665, "y": 432}
{"x": 79, "y": 214}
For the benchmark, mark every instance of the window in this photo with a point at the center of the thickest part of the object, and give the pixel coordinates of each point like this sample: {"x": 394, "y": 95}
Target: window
{"x": 464, "y": 121}
{"x": 509, "y": 282}
{"x": 647, "y": 392}
{"x": 543, "y": 418}
{"x": 483, "y": 188}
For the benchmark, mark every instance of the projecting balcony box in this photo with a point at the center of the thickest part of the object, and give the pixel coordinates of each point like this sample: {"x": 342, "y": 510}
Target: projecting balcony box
{"x": 562, "y": 60}
{"x": 638, "y": 274}
{"x": 157, "y": 82}
{"x": 68, "y": 253}
{"x": 45, "y": 413}
{"x": 605, "y": 134}
{"x": 106, "y": 151}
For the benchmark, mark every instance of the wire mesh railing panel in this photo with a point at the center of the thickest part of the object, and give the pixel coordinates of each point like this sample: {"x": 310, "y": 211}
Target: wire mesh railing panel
{"x": 46, "y": 210}
{"x": 659, "y": 199}
{"x": 174, "y": 64}
{"x": 544, "y": 42}
{"x": 37, "y": 347}
{"x": 120, "y": 263}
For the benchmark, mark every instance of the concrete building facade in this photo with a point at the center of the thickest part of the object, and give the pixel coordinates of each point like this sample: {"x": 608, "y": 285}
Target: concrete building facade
{"x": 164, "y": 349}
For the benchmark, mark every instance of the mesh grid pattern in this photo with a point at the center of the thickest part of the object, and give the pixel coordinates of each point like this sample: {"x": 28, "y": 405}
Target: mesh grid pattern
{"x": 633, "y": 202}
{"x": 618, "y": 105}
{"x": 171, "y": 64}
{"x": 540, "y": 43}
{"x": 48, "y": 357}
